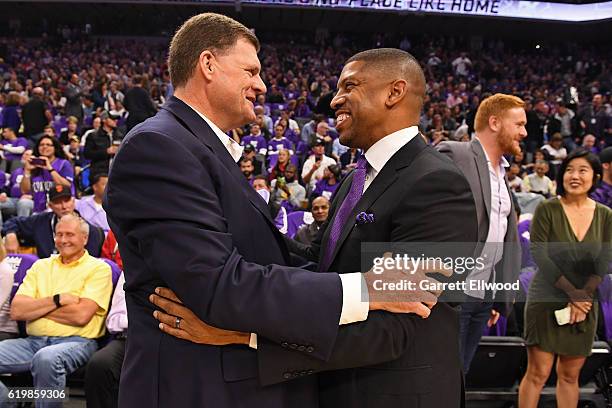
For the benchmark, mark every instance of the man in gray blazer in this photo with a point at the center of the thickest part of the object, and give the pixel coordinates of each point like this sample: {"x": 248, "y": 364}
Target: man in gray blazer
{"x": 500, "y": 126}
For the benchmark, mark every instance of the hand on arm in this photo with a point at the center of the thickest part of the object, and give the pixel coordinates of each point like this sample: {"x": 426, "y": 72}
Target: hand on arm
{"x": 191, "y": 328}
{"x": 74, "y": 314}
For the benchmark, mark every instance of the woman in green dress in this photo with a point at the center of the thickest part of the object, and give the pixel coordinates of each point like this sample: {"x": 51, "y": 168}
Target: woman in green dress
{"x": 571, "y": 237}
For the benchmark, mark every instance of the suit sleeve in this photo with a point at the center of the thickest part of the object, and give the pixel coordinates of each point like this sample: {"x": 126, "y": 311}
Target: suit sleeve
{"x": 178, "y": 226}
{"x": 446, "y": 213}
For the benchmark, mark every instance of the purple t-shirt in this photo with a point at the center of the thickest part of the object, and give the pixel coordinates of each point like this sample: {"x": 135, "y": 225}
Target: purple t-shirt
{"x": 603, "y": 194}
{"x": 19, "y": 142}
{"x": 274, "y": 145}
{"x": 258, "y": 142}
{"x": 15, "y": 183}
{"x": 322, "y": 188}
{"x": 42, "y": 182}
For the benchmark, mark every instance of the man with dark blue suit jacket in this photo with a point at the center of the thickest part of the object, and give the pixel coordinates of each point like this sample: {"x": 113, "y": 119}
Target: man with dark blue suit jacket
{"x": 402, "y": 191}
{"x": 211, "y": 240}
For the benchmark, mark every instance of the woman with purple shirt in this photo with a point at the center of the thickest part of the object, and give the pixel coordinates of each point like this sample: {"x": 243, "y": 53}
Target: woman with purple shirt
{"x": 52, "y": 167}
{"x": 279, "y": 142}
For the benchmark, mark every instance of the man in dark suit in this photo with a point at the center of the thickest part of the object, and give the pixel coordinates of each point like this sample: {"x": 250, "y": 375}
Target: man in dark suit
{"x": 212, "y": 241}
{"x": 138, "y": 103}
{"x": 500, "y": 126}
{"x": 413, "y": 194}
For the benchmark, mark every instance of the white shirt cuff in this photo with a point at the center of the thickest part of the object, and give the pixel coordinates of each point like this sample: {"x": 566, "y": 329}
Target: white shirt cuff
{"x": 253, "y": 341}
{"x": 354, "y": 308}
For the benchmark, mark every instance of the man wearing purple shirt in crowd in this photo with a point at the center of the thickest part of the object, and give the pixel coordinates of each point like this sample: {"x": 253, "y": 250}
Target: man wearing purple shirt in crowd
{"x": 603, "y": 193}
{"x": 15, "y": 202}
{"x": 104, "y": 368}
{"x": 12, "y": 148}
{"x": 326, "y": 187}
{"x": 279, "y": 142}
{"x": 256, "y": 139}
{"x": 90, "y": 207}
{"x": 39, "y": 178}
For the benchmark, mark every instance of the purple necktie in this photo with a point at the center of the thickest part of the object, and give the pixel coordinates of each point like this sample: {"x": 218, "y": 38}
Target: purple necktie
{"x": 341, "y": 218}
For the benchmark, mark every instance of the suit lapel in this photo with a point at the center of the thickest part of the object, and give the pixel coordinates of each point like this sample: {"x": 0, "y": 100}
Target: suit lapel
{"x": 200, "y": 129}
{"x": 384, "y": 179}
{"x": 483, "y": 173}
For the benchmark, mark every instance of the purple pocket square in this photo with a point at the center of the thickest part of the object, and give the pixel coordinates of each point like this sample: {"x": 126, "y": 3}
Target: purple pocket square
{"x": 364, "y": 218}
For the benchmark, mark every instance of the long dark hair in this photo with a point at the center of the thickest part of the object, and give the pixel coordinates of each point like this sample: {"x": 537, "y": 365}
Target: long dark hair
{"x": 59, "y": 152}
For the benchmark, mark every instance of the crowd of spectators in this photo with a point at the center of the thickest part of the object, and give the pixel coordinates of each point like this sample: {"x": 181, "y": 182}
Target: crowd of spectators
{"x": 66, "y": 106}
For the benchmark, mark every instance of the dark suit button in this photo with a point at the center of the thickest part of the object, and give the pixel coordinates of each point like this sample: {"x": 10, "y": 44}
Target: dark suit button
{"x": 284, "y": 344}
{"x": 293, "y": 346}
{"x": 309, "y": 349}
{"x": 310, "y": 372}
{"x": 287, "y": 376}
{"x": 302, "y": 348}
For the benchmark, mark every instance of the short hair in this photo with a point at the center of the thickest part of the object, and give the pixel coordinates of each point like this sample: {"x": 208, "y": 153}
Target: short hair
{"x": 495, "y": 105}
{"x": 97, "y": 178}
{"x": 260, "y": 177}
{"x": 593, "y": 161}
{"x": 13, "y": 98}
{"x": 396, "y": 61}
{"x": 83, "y": 225}
{"x": 206, "y": 31}
{"x": 72, "y": 119}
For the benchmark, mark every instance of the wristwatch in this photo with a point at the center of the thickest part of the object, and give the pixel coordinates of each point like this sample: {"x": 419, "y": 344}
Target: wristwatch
{"x": 56, "y": 300}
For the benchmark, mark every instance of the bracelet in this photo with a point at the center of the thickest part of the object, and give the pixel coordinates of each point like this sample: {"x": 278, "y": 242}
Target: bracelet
{"x": 56, "y": 300}
{"x": 52, "y": 170}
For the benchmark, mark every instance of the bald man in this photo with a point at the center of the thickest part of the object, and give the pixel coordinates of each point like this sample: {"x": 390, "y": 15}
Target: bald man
{"x": 320, "y": 209}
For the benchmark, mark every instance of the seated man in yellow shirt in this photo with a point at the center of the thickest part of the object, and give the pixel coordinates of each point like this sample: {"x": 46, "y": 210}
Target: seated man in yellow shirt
{"x": 64, "y": 300}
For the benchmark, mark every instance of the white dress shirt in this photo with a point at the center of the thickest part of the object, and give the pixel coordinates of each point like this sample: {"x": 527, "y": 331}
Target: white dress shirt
{"x": 493, "y": 250}
{"x": 353, "y": 309}
{"x": 381, "y": 152}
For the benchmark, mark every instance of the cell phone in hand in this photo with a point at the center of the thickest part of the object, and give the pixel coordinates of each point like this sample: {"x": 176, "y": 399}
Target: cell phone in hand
{"x": 37, "y": 161}
{"x": 563, "y": 316}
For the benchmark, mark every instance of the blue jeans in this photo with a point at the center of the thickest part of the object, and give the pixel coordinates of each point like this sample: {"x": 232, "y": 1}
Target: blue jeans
{"x": 22, "y": 207}
{"x": 473, "y": 317}
{"x": 49, "y": 359}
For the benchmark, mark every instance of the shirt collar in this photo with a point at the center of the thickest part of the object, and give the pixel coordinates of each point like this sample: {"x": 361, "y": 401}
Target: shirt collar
{"x": 58, "y": 259}
{"x": 233, "y": 147}
{"x": 380, "y": 152}
{"x": 502, "y": 161}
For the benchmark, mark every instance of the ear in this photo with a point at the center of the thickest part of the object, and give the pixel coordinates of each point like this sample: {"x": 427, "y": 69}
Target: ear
{"x": 495, "y": 123}
{"x": 397, "y": 92}
{"x": 206, "y": 64}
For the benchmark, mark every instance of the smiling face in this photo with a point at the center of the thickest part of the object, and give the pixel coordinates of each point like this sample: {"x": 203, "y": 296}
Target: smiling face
{"x": 46, "y": 147}
{"x": 512, "y": 131}
{"x": 235, "y": 82}
{"x": 70, "y": 240}
{"x": 359, "y": 104}
{"x": 578, "y": 177}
